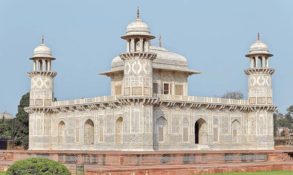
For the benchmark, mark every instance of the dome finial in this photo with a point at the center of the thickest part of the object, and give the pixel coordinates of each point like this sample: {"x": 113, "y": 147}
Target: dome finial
{"x": 160, "y": 41}
{"x": 43, "y": 40}
{"x": 258, "y": 36}
{"x": 137, "y": 13}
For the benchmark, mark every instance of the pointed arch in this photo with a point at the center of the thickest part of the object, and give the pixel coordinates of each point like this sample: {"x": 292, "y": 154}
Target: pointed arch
{"x": 89, "y": 132}
{"x": 200, "y": 132}
{"x": 161, "y": 124}
{"x": 61, "y": 132}
{"x": 236, "y": 131}
{"x": 119, "y": 130}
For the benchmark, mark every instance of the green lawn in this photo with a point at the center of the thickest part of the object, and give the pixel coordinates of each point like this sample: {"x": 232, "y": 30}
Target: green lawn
{"x": 2, "y": 173}
{"x": 260, "y": 173}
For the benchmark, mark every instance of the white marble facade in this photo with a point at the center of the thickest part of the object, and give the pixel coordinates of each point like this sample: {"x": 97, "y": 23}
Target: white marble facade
{"x": 149, "y": 107}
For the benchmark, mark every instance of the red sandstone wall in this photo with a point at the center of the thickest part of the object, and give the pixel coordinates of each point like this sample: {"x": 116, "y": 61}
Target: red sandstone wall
{"x": 148, "y": 163}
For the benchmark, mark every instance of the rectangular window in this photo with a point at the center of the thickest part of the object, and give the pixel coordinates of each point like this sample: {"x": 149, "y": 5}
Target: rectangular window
{"x": 178, "y": 89}
{"x": 161, "y": 134}
{"x": 77, "y": 135}
{"x": 175, "y": 124}
{"x": 216, "y": 135}
{"x": 166, "y": 89}
{"x": 101, "y": 131}
{"x": 155, "y": 88}
{"x": 135, "y": 121}
{"x": 185, "y": 134}
{"x": 118, "y": 90}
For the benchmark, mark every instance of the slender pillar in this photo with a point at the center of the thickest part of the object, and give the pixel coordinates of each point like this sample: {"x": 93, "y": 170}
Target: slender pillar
{"x": 49, "y": 65}
{"x": 132, "y": 45}
{"x": 140, "y": 45}
{"x": 34, "y": 66}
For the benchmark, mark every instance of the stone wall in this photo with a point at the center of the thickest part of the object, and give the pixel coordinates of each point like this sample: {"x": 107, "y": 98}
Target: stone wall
{"x": 140, "y": 126}
{"x": 218, "y": 130}
{"x": 124, "y": 128}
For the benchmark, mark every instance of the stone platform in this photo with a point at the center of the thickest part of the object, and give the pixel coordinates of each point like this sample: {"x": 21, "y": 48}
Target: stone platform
{"x": 159, "y": 162}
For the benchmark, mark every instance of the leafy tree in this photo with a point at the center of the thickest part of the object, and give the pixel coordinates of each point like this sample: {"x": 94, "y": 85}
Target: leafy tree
{"x": 20, "y": 129}
{"x": 289, "y": 114}
{"x": 281, "y": 120}
{"x": 233, "y": 95}
{"x": 5, "y": 129}
{"x": 37, "y": 166}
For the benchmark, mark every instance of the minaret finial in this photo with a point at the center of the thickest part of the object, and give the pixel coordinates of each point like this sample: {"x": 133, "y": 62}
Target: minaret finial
{"x": 137, "y": 13}
{"x": 258, "y": 36}
{"x": 160, "y": 41}
{"x": 43, "y": 39}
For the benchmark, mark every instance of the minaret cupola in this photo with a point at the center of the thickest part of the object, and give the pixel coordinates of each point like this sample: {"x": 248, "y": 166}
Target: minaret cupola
{"x": 259, "y": 54}
{"x": 42, "y": 57}
{"x": 138, "y": 35}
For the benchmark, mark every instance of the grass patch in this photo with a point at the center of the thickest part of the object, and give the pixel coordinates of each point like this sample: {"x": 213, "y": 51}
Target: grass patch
{"x": 260, "y": 173}
{"x": 2, "y": 173}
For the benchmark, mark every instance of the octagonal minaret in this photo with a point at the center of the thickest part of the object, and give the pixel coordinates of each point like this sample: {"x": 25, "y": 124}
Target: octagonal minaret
{"x": 42, "y": 76}
{"x": 259, "y": 74}
{"x": 138, "y": 60}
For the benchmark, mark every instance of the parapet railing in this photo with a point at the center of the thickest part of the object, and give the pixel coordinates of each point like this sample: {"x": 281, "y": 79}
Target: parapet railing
{"x": 85, "y": 101}
{"x": 171, "y": 98}
{"x": 202, "y": 99}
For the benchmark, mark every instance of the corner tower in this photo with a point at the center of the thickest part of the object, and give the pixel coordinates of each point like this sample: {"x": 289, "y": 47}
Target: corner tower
{"x": 260, "y": 97}
{"x": 259, "y": 74}
{"x": 137, "y": 88}
{"x": 138, "y": 60}
{"x": 41, "y": 97}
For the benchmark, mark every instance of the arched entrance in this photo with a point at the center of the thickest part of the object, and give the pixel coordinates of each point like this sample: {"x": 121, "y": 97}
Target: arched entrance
{"x": 200, "y": 132}
{"x": 89, "y": 132}
{"x": 119, "y": 130}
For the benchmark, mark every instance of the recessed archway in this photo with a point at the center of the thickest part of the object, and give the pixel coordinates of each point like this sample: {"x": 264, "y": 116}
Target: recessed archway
{"x": 235, "y": 131}
{"x": 161, "y": 128}
{"x": 89, "y": 132}
{"x": 200, "y": 131}
{"x": 119, "y": 130}
{"x": 61, "y": 132}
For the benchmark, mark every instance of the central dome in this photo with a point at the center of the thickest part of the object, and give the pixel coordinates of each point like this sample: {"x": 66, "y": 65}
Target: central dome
{"x": 163, "y": 57}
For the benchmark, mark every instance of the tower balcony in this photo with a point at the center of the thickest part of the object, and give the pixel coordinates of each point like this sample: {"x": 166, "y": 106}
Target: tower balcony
{"x": 140, "y": 55}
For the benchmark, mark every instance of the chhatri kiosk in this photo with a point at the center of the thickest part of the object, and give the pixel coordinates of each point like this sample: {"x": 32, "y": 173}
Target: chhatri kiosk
{"x": 149, "y": 108}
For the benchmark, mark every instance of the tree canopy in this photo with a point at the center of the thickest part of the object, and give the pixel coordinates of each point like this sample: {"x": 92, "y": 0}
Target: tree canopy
{"x": 20, "y": 130}
{"x": 37, "y": 166}
{"x": 281, "y": 120}
{"x": 234, "y": 95}
{"x": 5, "y": 128}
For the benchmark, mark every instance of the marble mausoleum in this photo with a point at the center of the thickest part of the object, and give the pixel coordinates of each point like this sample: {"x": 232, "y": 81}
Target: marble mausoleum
{"x": 149, "y": 107}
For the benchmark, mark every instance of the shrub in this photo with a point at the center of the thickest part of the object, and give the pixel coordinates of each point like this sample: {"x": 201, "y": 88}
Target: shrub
{"x": 37, "y": 166}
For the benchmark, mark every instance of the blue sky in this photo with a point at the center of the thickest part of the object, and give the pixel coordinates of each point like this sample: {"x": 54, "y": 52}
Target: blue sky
{"x": 85, "y": 36}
